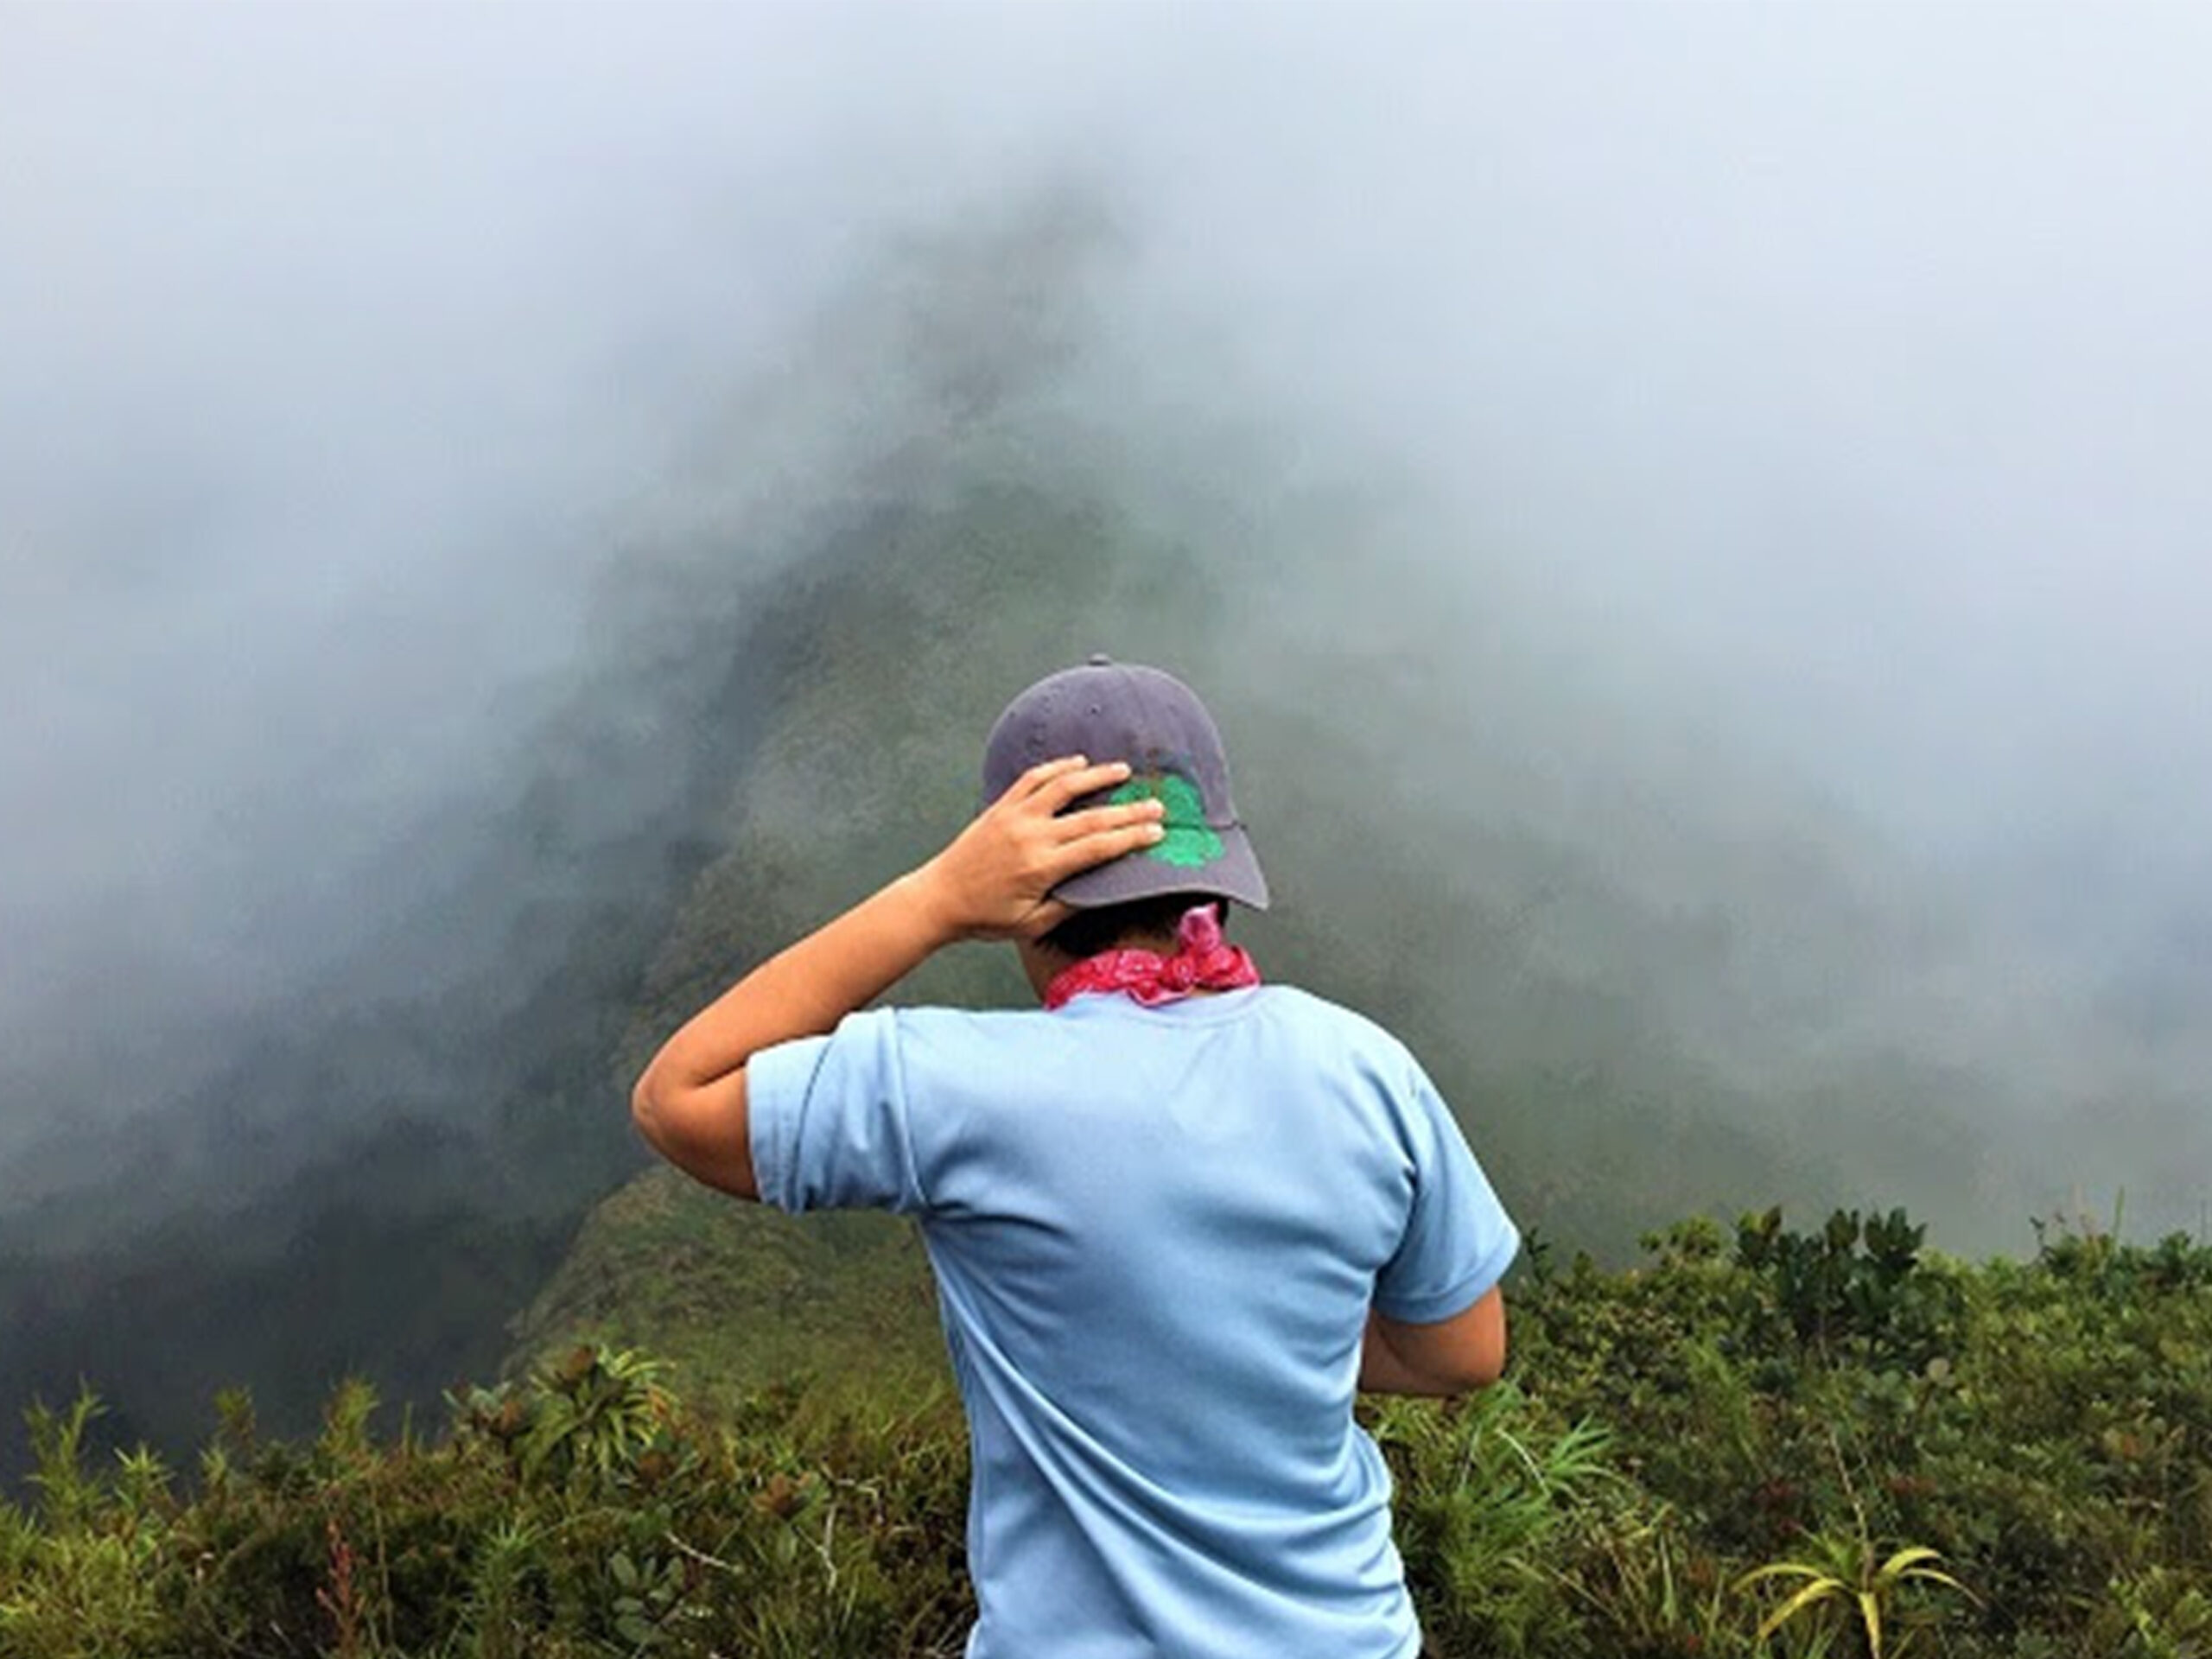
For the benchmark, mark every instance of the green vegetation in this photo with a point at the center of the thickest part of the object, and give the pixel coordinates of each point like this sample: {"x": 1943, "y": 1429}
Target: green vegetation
{"x": 1771, "y": 1442}
{"x": 400, "y": 1164}
{"x": 735, "y": 1298}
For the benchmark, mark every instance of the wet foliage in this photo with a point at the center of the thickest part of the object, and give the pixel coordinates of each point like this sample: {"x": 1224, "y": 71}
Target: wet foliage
{"x": 1761, "y": 1441}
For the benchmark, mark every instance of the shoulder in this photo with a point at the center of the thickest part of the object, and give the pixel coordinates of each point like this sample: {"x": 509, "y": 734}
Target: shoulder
{"x": 1364, "y": 1062}
{"x": 954, "y": 1037}
{"x": 1297, "y": 1022}
{"x": 1298, "y": 1003}
{"x": 932, "y": 1023}
{"x": 1323, "y": 1020}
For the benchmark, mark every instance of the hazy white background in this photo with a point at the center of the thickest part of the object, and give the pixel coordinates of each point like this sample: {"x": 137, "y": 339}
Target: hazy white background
{"x": 1818, "y": 397}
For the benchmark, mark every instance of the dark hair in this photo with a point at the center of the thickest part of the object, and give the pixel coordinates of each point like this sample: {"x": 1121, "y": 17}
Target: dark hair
{"x": 1089, "y": 931}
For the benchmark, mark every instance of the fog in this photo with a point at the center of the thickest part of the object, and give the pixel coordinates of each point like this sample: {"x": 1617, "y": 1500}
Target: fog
{"x": 1724, "y": 423}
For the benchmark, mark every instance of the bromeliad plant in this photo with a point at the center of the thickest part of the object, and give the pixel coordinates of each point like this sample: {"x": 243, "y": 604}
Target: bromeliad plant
{"x": 1849, "y": 1589}
{"x": 590, "y": 1415}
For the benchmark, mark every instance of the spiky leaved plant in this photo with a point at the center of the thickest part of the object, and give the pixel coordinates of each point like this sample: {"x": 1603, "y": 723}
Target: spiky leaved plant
{"x": 597, "y": 1410}
{"x": 1486, "y": 1493}
{"x": 1848, "y": 1585}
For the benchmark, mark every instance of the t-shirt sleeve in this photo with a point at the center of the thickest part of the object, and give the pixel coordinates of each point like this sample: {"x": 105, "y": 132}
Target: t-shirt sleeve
{"x": 1458, "y": 1241}
{"x": 829, "y": 1120}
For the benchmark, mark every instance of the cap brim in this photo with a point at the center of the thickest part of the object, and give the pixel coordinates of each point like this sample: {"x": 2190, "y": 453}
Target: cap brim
{"x": 1234, "y": 874}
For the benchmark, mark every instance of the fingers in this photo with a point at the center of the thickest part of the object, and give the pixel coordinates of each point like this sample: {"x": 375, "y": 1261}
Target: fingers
{"x": 1045, "y": 771}
{"x": 1052, "y": 788}
{"x": 1041, "y": 843}
{"x": 1096, "y": 834}
{"x": 1102, "y": 845}
{"x": 1053, "y": 784}
{"x": 1131, "y": 837}
{"x": 1116, "y": 814}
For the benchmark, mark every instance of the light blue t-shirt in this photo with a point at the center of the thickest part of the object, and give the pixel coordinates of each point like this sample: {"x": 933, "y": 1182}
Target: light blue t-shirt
{"x": 1156, "y": 1233}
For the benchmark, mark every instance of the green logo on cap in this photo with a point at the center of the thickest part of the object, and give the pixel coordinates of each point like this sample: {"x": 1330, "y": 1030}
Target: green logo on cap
{"x": 1190, "y": 839}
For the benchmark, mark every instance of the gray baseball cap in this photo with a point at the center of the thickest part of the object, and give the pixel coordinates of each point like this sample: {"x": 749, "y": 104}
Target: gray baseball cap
{"x": 1120, "y": 711}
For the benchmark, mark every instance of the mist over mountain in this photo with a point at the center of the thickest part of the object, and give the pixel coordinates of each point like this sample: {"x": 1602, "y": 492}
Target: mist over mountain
{"x": 1689, "y": 521}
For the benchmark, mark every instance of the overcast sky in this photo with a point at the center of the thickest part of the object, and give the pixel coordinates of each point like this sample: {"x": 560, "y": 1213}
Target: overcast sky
{"x": 1836, "y": 379}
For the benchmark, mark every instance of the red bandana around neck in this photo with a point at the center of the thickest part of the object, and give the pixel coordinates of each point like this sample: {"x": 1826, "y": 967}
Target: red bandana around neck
{"x": 1202, "y": 961}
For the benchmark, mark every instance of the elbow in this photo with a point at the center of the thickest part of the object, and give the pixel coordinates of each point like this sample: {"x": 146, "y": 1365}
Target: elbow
{"x": 1456, "y": 1381}
{"x": 702, "y": 1128}
{"x": 647, "y": 1099}
{"x": 1479, "y": 1359}
{"x": 1445, "y": 1359}
{"x": 1483, "y": 1375}
{"x": 1469, "y": 1376}
{"x": 1488, "y": 1360}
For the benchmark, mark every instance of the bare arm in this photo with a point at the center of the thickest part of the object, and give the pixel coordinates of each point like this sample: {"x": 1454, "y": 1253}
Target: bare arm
{"x": 1451, "y": 1357}
{"x": 994, "y": 881}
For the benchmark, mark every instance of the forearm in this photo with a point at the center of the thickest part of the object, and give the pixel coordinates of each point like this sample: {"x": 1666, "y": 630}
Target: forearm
{"x": 994, "y": 880}
{"x": 1381, "y": 1370}
{"x": 806, "y": 990}
{"x": 1449, "y": 1356}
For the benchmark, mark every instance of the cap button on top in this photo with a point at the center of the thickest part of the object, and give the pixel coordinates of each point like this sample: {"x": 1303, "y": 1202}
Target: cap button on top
{"x": 1098, "y": 659}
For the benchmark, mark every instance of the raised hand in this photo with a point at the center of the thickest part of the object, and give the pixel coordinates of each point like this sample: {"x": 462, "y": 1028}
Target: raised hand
{"x": 994, "y": 880}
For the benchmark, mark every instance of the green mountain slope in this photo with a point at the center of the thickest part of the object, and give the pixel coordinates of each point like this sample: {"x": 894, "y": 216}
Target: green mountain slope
{"x": 1586, "y": 1106}
{"x": 1650, "y": 986}
{"x": 738, "y": 1298}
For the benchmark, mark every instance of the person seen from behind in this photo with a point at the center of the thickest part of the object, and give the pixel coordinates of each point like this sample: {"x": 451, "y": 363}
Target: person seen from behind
{"x": 1177, "y": 1217}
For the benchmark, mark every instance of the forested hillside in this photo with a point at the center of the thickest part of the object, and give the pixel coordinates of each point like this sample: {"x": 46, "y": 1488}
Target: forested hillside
{"x": 1652, "y": 978}
{"x": 421, "y": 1153}
{"x": 723, "y": 1431}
